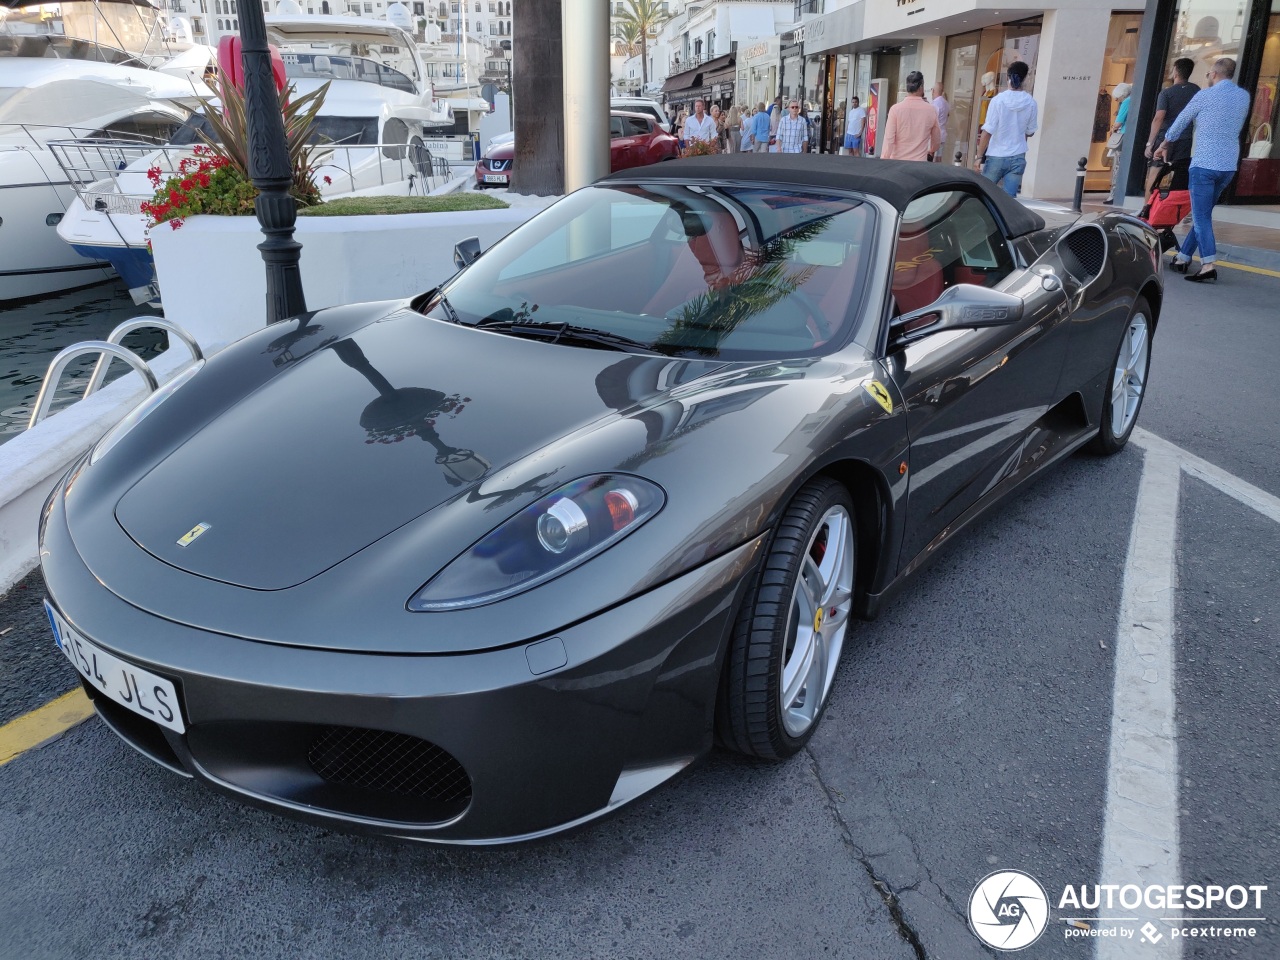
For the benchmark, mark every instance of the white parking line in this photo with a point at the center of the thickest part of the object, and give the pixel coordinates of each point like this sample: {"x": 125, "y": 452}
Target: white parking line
{"x": 1140, "y": 831}
{"x": 1246, "y": 493}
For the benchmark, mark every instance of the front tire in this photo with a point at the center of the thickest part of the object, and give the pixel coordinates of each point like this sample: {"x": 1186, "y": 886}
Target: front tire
{"x": 1128, "y": 385}
{"x": 789, "y": 633}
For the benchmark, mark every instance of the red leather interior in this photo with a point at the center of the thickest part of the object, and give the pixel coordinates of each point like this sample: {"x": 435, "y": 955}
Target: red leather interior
{"x": 917, "y": 273}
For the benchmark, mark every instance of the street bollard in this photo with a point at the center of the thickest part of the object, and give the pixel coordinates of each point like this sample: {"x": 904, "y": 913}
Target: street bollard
{"x": 959, "y": 158}
{"x": 1079, "y": 197}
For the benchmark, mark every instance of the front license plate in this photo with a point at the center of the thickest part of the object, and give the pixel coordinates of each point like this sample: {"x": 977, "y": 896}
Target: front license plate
{"x": 132, "y": 687}
{"x": 494, "y": 178}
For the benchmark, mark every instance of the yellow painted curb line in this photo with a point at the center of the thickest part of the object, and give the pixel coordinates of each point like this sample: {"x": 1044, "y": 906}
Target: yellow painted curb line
{"x": 1248, "y": 269}
{"x": 43, "y": 724}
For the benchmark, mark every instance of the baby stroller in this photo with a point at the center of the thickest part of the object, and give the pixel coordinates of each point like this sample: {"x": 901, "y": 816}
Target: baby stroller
{"x": 1169, "y": 203}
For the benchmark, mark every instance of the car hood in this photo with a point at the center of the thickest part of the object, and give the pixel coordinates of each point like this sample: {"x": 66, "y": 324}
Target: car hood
{"x": 362, "y": 437}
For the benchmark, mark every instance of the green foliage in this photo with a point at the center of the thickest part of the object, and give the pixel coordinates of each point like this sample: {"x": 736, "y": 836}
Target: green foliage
{"x": 700, "y": 148}
{"x": 232, "y": 128}
{"x": 364, "y": 206}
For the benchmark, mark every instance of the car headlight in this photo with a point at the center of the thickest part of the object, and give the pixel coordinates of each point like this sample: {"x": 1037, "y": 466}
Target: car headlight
{"x": 565, "y": 528}
{"x": 142, "y": 411}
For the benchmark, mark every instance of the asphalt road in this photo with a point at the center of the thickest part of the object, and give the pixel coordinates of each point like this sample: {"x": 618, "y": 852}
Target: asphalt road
{"x": 968, "y": 733}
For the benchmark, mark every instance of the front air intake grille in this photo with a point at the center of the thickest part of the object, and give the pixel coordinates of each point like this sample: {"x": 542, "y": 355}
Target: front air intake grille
{"x": 389, "y": 762}
{"x": 499, "y": 165}
{"x": 1084, "y": 253}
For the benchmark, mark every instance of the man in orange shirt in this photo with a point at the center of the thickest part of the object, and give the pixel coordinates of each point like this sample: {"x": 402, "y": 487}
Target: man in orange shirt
{"x": 911, "y": 132}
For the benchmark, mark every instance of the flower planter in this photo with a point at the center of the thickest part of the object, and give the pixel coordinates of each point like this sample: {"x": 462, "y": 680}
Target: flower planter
{"x": 213, "y": 281}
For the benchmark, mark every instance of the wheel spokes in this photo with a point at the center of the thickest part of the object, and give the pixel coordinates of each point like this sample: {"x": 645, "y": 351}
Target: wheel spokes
{"x": 820, "y": 608}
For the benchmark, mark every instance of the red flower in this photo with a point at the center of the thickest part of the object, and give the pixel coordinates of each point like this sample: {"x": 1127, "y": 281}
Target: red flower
{"x": 175, "y": 223}
{"x": 153, "y": 174}
{"x": 188, "y": 183}
{"x": 202, "y": 179}
{"x": 328, "y": 181}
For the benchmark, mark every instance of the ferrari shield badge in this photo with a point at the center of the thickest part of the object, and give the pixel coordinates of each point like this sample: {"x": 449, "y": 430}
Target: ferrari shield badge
{"x": 196, "y": 531}
{"x": 880, "y": 394}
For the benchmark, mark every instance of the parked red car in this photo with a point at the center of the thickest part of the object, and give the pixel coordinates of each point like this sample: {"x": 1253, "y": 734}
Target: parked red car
{"x": 635, "y": 140}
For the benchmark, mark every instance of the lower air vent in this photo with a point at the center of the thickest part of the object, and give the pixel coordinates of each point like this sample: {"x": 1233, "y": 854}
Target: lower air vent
{"x": 389, "y": 762}
{"x": 1083, "y": 252}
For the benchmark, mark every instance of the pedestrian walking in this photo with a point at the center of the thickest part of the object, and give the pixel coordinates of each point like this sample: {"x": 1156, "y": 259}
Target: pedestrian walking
{"x": 911, "y": 132}
{"x": 1002, "y": 145}
{"x": 855, "y": 124}
{"x": 678, "y": 129}
{"x": 943, "y": 109}
{"x": 1219, "y": 113}
{"x": 733, "y": 129}
{"x": 760, "y": 129}
{"x": 776, "y": 113}
{"x": 1172, "y": 101}
{"x": 793, "y": 130}
{"x": 700, "y": 126}
{"x": 1115, "y": 143}
{"x": 722, "y": 126}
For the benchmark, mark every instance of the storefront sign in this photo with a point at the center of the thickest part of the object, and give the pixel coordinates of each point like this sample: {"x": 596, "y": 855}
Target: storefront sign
{"x": 759, "y": 50}
{"x": 836, "y": 30}
{"x": 813, "y": 30}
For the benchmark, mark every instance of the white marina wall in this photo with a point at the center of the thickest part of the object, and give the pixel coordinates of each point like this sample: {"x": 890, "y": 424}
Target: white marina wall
{"x": 344, "y": 260}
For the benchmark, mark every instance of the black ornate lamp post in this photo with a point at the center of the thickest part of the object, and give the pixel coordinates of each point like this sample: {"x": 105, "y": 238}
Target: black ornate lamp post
{"x": 269, "y": 169}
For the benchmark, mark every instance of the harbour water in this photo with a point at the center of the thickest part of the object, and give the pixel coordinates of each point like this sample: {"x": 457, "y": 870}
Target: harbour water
{"x": 31, "y": 334}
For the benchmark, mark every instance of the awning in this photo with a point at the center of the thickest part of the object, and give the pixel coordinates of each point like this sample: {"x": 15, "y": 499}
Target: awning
{"x": 751, "y": 22}
{"x": 683, "y": 81}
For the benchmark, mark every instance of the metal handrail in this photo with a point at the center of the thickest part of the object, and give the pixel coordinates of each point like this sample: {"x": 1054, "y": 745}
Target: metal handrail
{"x": 129, "y": 326}
{"x": 44, "y": 399}
{"x": 94, "y": 165}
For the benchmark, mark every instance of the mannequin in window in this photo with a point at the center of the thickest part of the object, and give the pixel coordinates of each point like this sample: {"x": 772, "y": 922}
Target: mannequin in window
{"x": 989, "y": 90}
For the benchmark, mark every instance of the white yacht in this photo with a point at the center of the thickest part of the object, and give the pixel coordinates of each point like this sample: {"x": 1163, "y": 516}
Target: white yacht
{"x": 374, "y": 125}
{"x": 83, "y": 68}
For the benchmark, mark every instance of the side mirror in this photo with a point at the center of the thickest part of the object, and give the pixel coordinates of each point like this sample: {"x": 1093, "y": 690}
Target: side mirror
{"x": 961, "y": 307}
{"x": 466, "y": 252}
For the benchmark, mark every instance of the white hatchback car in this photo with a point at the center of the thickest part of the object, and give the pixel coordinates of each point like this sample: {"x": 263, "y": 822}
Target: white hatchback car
{"x": 650, "y": 108}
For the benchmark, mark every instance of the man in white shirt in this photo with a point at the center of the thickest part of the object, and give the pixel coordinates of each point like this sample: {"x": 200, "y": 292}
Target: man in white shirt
{"x": 854, "y": 129}
{"x": 1002, "y": 146}
{"x": 943, "y": 109}
{"x": 700, "y": 126}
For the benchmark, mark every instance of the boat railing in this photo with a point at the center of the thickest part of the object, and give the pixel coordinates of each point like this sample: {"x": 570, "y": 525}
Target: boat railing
{"x": 94, "y": 166}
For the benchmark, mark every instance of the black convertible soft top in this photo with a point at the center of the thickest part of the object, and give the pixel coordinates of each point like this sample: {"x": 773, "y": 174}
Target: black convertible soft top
{"x": 897, "y": 181}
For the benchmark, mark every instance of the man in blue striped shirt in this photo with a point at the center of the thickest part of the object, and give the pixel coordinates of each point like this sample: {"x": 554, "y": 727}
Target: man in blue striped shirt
{"x": 1219, "y": 112}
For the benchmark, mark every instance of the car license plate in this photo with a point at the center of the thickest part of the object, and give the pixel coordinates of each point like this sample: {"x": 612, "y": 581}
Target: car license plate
{"x": 494, "y": 178}
{"x": 132, "y": 687}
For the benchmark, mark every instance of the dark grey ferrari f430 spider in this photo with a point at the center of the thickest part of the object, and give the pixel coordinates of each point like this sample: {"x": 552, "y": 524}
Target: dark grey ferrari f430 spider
{"x": 487, "y": 564}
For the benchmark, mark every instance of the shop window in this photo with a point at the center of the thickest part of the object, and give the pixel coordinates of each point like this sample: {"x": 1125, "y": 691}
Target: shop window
{"x": 1119, "y": 65}
{"x": 1259, "y": 175}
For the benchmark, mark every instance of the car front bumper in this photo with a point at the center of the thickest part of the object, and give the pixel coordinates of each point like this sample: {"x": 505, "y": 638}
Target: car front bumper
{"x": 501, "y": 746}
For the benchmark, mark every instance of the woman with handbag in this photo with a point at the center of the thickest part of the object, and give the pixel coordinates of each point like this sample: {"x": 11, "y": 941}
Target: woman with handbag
{"x": 1115, "y": 143}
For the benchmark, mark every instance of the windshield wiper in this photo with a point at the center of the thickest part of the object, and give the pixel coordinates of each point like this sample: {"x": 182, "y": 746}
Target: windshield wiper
{"x": 566, "y": 333}
{"x": 448, "y": 308}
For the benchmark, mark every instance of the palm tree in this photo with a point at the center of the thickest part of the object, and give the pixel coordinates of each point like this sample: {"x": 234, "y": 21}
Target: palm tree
{"x": 629, "y": 33}
{"x": 647, "y": 16}
{"x": 537, "y": 80}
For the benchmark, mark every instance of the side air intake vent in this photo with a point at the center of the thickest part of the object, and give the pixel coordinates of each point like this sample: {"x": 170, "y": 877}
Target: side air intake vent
{"x": 1084, "y": 252}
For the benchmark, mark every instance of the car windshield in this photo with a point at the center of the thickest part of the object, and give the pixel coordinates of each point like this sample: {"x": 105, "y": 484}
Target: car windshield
{"x": 749, "y": 272}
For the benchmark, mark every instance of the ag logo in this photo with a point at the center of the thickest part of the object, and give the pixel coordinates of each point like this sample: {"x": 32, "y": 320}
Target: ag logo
{"x": 1008, "y": 910}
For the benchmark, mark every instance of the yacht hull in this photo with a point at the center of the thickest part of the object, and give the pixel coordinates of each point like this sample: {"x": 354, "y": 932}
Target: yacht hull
{"x": 34, "y": 261}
